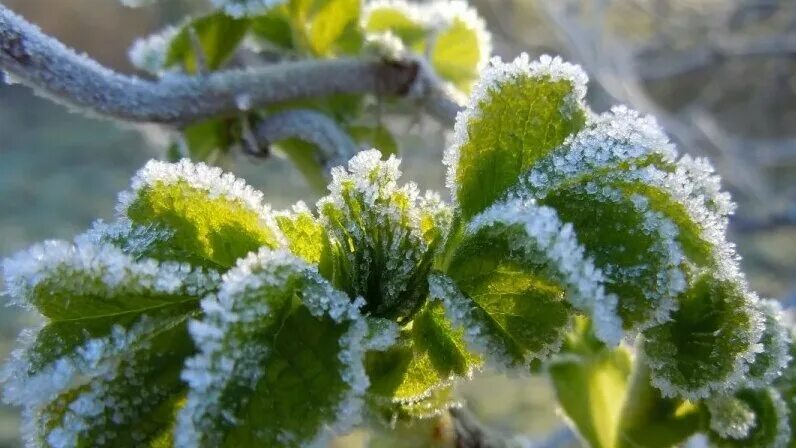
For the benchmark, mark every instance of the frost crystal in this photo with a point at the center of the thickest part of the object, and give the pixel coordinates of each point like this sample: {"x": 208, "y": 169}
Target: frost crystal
{"x": 37, "y": 275}
{"x": 773, "y": 352}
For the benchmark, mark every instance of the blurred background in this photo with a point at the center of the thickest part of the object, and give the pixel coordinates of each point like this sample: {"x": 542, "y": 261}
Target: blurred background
{"x": 720, "y": 75}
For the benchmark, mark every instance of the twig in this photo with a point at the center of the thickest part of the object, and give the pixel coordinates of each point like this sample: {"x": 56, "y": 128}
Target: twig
{"x": 309, "y": 126}
{"x": 59, "y": 72}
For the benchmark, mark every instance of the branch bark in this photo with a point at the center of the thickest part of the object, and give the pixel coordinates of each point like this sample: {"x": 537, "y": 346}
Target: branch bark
{"x": 312, "y": 127}
{"x": 57, "y": 71}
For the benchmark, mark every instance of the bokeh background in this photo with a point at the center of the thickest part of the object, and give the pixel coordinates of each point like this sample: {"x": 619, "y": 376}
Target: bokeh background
{"x": 719, "y": 74}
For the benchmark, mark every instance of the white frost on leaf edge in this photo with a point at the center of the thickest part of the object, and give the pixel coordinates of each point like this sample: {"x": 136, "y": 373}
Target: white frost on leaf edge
{"x": 103, "y": 270}
{"x": 96, "y": 357}
{"x": 779, "y": 349}
{"x": 619, "y": 136}
{"x": 217, "y": 363}
{"x": 737, "y": 376}
{"x": 498, "y": 72}
{"x": 730, "y": 418}
{"x": 212, "y": 180}
{"x": 435, "y": 18}
{"x": 557, "y": 241}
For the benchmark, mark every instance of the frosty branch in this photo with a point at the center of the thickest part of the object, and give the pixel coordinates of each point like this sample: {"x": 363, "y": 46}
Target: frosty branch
{"x": 57, "y": 71}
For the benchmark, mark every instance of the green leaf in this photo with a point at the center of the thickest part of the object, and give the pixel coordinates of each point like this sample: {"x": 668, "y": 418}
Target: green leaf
{"x": 518, "y": 273}
{"x": 274, "y": 27}
{"x": 111, "y": 324}
{"x": 304, "y": 233}
{"x": 68, "y": 282}
{"x": 633, "y": 246}
{"x": 771, "y": 428}
{"x": 329, "y": 24}
{"x": 296, "y": 345}
{"x": 219, "y": 36}
{"x": 650, "y": 420}
{"x": 215, "y": 218}
{"x": 376, "y": 137}
{"x": 401, "y": 19}
{"x": 520, "y": 111}
{"x": 133, "y": 405}
{"x": 711, "y": 336}
{"x": 459, "y": 51}
{"x": 590, "y": 388}
{"x": 429, "y": 355}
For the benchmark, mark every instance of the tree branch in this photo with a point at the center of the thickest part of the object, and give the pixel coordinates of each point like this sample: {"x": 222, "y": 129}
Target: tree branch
{"x": 312, "y": 127}
{"x": 59, "y": 72}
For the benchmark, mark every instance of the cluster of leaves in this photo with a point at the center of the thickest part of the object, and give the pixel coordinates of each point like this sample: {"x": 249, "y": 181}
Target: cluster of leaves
{"x": 200, "y": 317}
{"x": 448, "y": 38}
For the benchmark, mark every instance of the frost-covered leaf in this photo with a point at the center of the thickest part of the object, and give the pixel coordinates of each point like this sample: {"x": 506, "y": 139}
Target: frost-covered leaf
{"x": 461, "y": 45}
{"x": 405, "y": 20}
{"x": 450, "y": 34}
{"x": 773, "y": 356}
{"x": 115, "y": 335}
{"x": 521, "y": 274}
{"x": 376, "y": 246}
{"x": 770, "y": 429}
{"x": 133, "y": 404}
{"x": 82, "y": 280}
{"x": 730, "y": 418}
{"x": 214, "y": 218}
{"x": 786, "y": 384}
{"x": 707, "y": 344}
{"x": 518, "y": 113}
{"x": 303, "y": 232}
{"x": 151, "y": 52}
{"x": 590, "y": 386}
{"x": 631, "y": 154}
{"x": 218, "y": 36}
{"x": 632, "y": 244}
{"x": 428, "y": 356}
{"x": 280, "y": 359}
